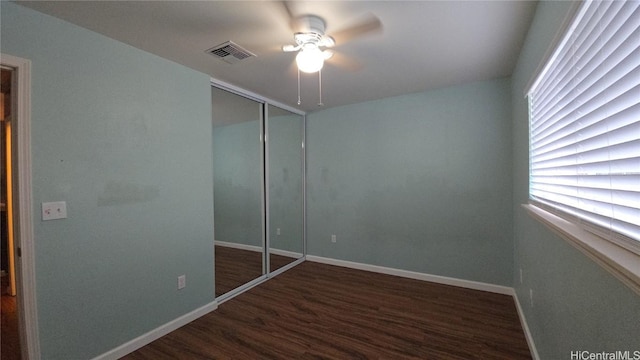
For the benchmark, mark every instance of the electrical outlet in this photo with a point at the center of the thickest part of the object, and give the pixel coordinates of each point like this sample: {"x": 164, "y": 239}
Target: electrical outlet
{"x": 333, "y": 238}
{"x": 182, "y": 281}
{"x": 278, "y": 231}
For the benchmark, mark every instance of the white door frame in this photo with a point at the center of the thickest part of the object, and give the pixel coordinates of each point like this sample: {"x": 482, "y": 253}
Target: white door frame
{"x": 25, "y": 267}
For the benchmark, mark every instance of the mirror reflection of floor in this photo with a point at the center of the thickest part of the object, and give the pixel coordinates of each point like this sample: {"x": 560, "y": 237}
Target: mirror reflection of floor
{"x": 235, "y": 267}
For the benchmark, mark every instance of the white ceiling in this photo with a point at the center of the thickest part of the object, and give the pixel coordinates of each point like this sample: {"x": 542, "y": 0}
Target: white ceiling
{"x": 423, "y": 45}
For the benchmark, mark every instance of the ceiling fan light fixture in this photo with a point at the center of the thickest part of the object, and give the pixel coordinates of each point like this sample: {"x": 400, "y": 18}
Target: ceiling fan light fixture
{"x": 310, "y": 59}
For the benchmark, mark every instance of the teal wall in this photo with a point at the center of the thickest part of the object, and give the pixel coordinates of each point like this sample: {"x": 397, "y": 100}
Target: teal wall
{"x": 419, "y": 182}
{"x": 577, "y": 305}
{"x": 237, "y": 183}
{"x": 429, "y": 182}
{"x": 124, "y": 137}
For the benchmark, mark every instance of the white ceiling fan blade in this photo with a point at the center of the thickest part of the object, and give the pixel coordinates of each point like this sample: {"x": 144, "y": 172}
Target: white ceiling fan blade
{"x": 287, "y": 13}
{"x": 290, "y": 48}
{"x": 340, "y": 60}
{"x": 367, "y": 24}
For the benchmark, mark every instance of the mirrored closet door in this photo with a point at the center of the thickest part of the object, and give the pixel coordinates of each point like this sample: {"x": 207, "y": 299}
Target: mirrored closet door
{"x": 285, "y": 170}
{"x": 238, "y": 190}
{"x": 258, "y": 190}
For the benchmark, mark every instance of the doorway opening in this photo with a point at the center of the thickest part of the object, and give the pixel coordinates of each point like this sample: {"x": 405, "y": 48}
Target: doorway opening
{"x": 9, "y": 322}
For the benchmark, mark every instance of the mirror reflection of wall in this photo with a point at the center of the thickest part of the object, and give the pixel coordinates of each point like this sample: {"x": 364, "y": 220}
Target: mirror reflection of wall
{"x": 238, "y": 190}
{"x": 286, "y": 173}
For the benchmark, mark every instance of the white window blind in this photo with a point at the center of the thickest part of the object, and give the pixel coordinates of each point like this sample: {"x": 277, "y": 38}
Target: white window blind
{"x": 584, "y": 110}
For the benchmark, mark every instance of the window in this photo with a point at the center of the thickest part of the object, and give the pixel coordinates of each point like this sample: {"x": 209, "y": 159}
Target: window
{"x": 584, "y": 111}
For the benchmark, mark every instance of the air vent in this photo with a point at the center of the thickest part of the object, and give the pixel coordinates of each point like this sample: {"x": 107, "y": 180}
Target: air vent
{"x": 230, "y": 52}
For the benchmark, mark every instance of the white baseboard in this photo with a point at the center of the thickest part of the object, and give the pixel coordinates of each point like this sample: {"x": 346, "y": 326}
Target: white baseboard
{"x": 156, "y": 333}
{"x": 238, "y": 246}
{"x": 499, "y": 289}
{"x": 287, "y": 253}
{"x": 525, "y": 328}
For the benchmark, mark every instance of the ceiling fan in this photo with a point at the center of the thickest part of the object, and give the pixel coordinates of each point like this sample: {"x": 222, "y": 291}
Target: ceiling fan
{"x": 310, "y": 37}
{"x": 311, "y": 41}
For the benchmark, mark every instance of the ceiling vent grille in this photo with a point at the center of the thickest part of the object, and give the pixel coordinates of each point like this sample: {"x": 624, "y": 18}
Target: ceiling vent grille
{"x": 230, "y": 52}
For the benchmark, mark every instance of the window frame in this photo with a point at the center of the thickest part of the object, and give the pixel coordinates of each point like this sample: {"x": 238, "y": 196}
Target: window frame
{"x": 613, "y": 253}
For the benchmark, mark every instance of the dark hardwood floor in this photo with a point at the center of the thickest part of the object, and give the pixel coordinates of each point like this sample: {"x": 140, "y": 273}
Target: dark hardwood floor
{"x": 317, "y": 311}
{"x": 235, "y": 267}
{"x": 10, "y": 340}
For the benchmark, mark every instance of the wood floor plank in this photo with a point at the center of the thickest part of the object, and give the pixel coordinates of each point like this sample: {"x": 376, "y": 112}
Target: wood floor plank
{"x": 318, "y": 311}
{"x": 236, "y": 267}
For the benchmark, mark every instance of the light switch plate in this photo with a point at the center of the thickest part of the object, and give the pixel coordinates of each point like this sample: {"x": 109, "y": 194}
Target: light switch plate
{"x": 54, "y": 210}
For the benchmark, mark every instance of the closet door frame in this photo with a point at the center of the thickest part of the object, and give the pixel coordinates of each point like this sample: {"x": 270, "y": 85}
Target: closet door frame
{"x": 265, "y": 102}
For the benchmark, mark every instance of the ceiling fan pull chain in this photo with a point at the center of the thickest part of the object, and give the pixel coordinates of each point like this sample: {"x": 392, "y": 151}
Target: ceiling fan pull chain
{"x": 320, "y": 87}
{"x": 299, "y": 102}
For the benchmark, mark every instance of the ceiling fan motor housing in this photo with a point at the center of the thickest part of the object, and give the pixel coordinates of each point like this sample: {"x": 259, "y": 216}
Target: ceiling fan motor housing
{"x": 309, "y": 38}
{"x": 310, "y": 24}
{"x": 310, "y": 32}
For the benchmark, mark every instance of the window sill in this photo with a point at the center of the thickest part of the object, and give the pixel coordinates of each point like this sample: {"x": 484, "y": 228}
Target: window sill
{"x": 620, "y": 262}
